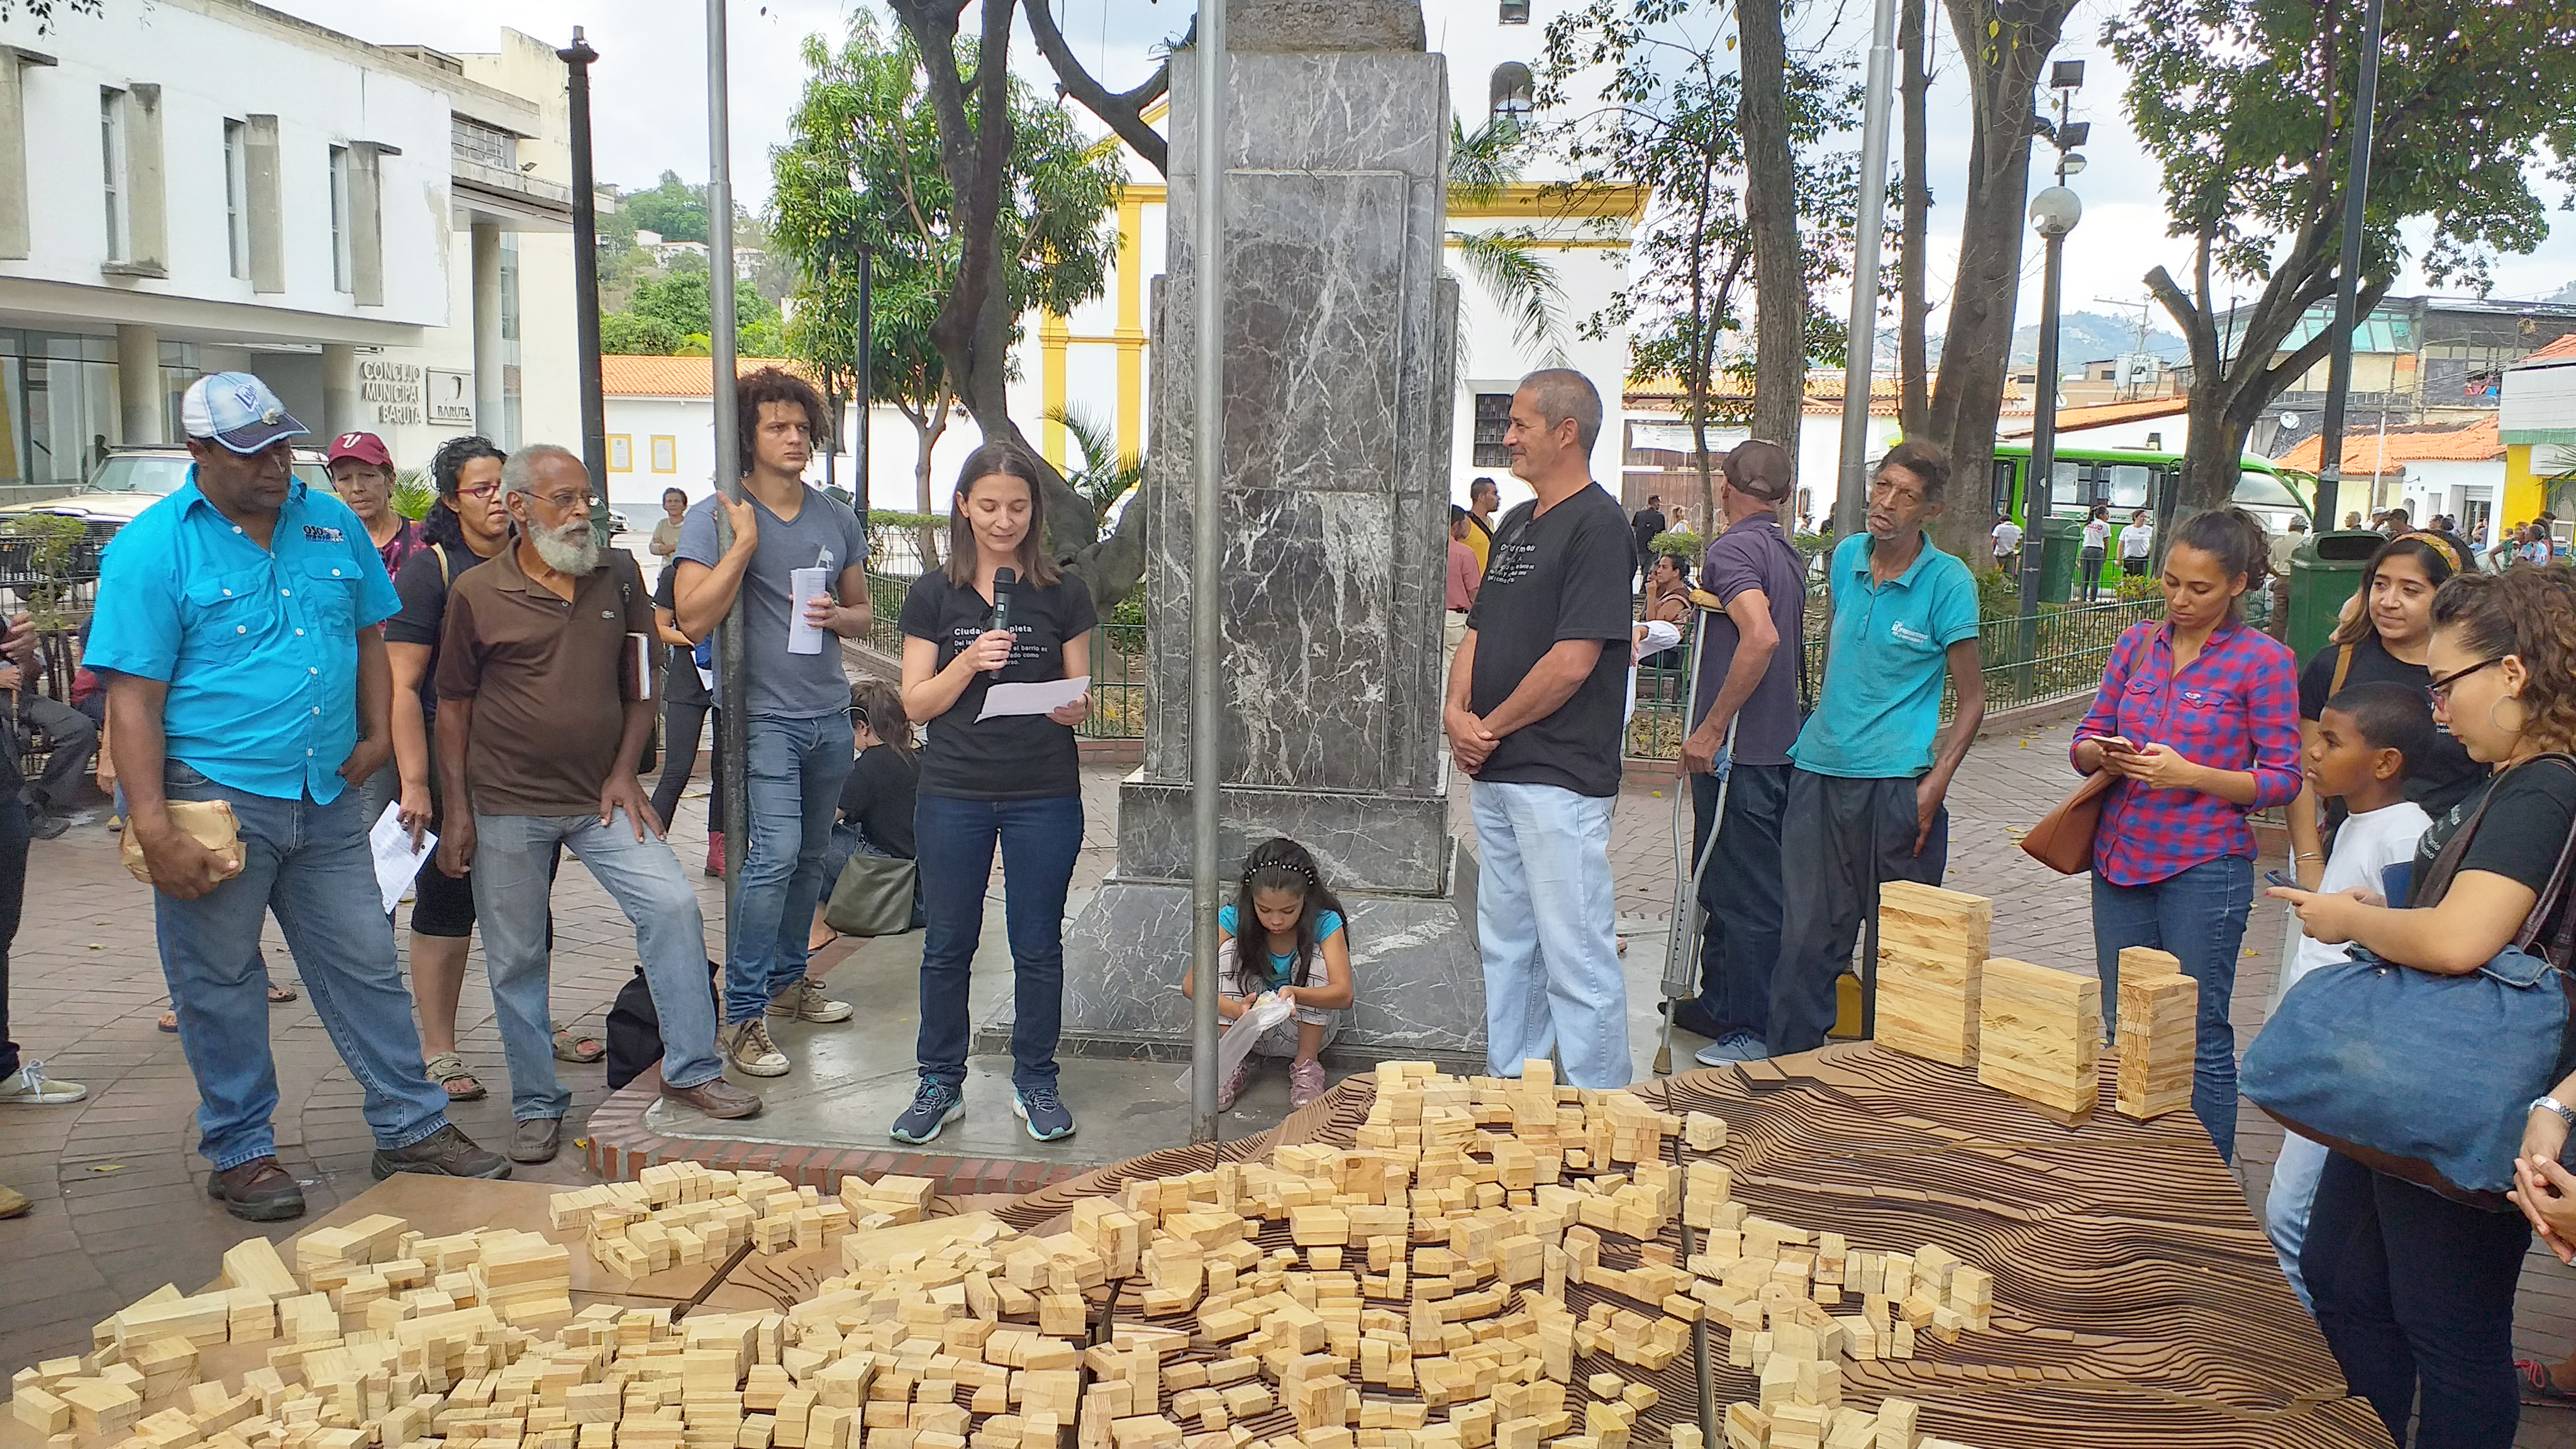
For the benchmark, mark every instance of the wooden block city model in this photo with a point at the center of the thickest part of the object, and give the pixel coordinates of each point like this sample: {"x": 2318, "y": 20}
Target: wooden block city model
{"x": 1492, "y": 1265}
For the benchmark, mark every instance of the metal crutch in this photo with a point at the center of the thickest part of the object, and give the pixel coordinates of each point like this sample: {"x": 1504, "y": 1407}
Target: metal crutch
{"x": 1681, "y": 941}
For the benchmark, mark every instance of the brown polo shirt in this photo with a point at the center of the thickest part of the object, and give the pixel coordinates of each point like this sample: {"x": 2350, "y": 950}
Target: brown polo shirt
{"x": 544, "y": 679}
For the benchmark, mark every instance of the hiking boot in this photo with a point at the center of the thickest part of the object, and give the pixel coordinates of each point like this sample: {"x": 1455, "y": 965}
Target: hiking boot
{"x": 443, "y": 1153}
{"x": 536, "y": 1139}
{"x": 30, "y": 1087}
{"x": 257, "y": 1191}
{"x": 746, "y": 1044}
{"x": 1044, "y": 1111}
{"x": 1305, "y": 1083}
{"x": 934, "y": 1105}
{"x": 716, "y": 1097}
{"x": 805, "y": 1001}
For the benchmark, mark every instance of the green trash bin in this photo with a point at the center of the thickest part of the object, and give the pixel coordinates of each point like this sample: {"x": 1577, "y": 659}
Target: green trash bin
{"x": 2324, "y": 571}
{"x": 2061, "y": 543}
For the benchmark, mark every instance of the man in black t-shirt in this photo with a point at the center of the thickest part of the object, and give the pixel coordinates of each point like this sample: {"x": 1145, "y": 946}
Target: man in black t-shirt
{"x": 1534, "y": 714}
{"x": 1648, "y": 523}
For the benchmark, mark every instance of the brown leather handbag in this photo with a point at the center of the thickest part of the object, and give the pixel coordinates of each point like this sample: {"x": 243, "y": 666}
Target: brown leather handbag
{"x": 2063, "y": 838}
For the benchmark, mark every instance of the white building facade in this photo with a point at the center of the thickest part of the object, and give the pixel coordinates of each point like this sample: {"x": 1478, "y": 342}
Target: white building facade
{"x": 218, "y": 186}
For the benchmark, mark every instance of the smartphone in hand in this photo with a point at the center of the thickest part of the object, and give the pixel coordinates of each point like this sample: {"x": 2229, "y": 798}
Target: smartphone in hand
{"x": 2115, "y": 744}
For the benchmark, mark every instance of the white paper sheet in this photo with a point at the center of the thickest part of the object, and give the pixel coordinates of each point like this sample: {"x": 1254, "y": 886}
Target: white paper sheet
{"x": 396, "y": 861}
{"x": 1041, "y": 698}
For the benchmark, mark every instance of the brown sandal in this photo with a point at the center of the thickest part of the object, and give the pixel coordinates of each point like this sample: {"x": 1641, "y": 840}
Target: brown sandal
{"x": 581, "y": 1051}
{"x": 447, "y": 1069}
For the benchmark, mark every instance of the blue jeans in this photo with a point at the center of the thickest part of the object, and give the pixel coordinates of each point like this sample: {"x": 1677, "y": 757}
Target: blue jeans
{"x": 797, "y": 769}
{"x": 513, "y": 880}
{"x": 953, "y": 844}
{"x": 310, "y": 865}
{"x": 1741, "y": 891}
{"x": 1550, "y": 933}
{"x": 2199, "y": 916}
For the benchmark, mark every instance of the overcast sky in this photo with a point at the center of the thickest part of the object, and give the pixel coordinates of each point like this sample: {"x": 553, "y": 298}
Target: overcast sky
{"x": 650, "y": 90}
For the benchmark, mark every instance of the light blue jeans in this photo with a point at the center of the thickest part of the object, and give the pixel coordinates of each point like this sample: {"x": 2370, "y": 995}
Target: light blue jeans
{"x": 797, "y": 769}
{"x": 309, "y": 864}
{"x": 2199, "y": 915}
{"x": 1550, "y": 933}
{"x": 513, "y": 878}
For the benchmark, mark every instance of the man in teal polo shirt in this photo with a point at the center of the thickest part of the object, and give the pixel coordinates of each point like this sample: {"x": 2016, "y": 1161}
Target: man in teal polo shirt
{"x": 236, "y": 628}
{"x": 1864, "y": 802}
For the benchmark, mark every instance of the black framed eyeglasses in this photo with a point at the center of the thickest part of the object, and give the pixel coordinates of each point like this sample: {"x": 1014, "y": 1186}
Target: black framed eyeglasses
{"x": 2440, "y": 688}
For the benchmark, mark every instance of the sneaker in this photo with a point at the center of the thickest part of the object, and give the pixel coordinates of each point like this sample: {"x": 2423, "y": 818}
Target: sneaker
{"x": 805, "y": 1001}
{"x": 13, "y": 1203}
{"x": 1229, "y": 1091}
{"x": 746, "y": 1044}
{"x": 934, "y": 1105}
{"x": 29, "y": 1086}
{"x": 49, "y": 824}
{"x": 1735, "y": 1046}
{"x": 443, "y": 1153}
{"x": 259, "y": 1191}
{"x": 536, "y": 1139}
{"x": 1044, "y": 1111}
{"x": 717, "y": 1098}
{"x": 1305, "y": 1083}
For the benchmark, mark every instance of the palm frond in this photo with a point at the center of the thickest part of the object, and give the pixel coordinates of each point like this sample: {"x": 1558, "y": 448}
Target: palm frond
{"x": 1524, "y": 285}
{"x": 1483, "y": 163}
{"x": 1104, "y": 475}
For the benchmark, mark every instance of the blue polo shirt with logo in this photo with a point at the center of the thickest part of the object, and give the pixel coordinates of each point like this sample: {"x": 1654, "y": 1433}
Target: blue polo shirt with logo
{"x": 258, "y": 645}
{"x": 1880, "y": 706}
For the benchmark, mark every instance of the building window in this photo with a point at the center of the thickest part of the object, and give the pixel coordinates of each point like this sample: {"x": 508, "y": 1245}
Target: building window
{"x": 1515, "y": 93}
{"x": 470, "y": 140}
{"x": 111, "y": 148}
{"x": 1515, "y": 12}
{"x": 1493, "y": 419}
{"x": 666, "y": 455}
{"x": 237, "y": 195}
{"x": 342, "y": 263}
{"x": 621, "y": 453}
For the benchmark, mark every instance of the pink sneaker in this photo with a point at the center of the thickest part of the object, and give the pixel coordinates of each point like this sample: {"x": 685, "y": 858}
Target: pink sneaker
{"x": 1305, "y": 1083}
{"x": 1232, "y": 1087}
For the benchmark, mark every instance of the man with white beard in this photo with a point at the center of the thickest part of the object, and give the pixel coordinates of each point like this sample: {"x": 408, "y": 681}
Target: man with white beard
{"x": 539, "y": 733}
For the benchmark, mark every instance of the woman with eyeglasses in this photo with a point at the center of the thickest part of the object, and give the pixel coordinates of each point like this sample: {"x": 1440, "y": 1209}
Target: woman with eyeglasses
{"x": 2415, "y": 1290}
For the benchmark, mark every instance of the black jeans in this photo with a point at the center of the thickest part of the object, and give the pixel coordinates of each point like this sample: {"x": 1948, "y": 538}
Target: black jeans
{"x": 682, "y": 720}
{"x": 1844, "y": 836}
{"x": 1741, "y": 892}
{"x": 2415, "y": 1294}
{"x": 13, "y": 896}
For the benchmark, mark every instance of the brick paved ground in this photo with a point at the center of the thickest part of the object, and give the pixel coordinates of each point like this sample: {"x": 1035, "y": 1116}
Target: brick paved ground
{"x": 120, "y": 1207}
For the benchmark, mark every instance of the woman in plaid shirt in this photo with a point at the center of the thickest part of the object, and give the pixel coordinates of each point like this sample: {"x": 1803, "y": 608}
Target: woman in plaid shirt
{"x": 2199, "y": 717}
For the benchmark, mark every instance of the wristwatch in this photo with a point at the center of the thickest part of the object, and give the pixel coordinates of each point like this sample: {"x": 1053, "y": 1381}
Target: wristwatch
{"x": 2552, "y": 1105}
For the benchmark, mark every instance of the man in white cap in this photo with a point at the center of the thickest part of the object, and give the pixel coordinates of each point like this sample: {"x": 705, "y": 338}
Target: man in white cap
{"x": 236, "y": 628}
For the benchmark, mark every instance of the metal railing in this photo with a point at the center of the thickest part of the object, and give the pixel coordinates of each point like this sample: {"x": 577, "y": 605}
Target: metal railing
{"x": 1117, "y": 662}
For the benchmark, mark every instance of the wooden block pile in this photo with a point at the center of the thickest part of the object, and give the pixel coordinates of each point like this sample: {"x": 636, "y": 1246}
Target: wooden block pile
{"x": 1931, "y": 965}
{"x": 683, "y": 1213}
{"x": 887, "y": 1202}
{"x": 2158, "y": 1033}
{"x": 2040, "y": 1037}
{"x": 1409, "y": 1293}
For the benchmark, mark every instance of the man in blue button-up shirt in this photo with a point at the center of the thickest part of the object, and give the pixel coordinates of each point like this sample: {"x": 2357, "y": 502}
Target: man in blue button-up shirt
{"x": 236, "y": 628}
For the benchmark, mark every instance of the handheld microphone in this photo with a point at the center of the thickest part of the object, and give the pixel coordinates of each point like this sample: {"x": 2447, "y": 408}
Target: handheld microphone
{"x": 1004, "y": 582}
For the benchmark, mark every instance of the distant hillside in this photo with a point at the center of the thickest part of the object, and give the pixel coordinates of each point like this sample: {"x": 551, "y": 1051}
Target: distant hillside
{"x": 2564, "y": 294}
{"x": 2085, "y": 336}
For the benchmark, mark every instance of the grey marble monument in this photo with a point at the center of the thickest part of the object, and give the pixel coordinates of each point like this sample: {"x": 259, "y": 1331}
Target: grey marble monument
{"x": 1341, "y": 338}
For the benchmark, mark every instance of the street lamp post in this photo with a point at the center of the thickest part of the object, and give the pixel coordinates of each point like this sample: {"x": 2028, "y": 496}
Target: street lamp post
{"x": 2054, "y": 212}
{"x": 577, "y": 58}
{"x": 2348, "y": 274}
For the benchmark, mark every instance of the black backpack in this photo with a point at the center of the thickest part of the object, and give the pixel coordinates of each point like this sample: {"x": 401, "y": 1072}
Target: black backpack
{"x": 635, "y": 1028}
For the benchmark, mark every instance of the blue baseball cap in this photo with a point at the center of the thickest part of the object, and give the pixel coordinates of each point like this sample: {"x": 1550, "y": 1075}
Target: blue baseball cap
{"x": 237, "y": 410}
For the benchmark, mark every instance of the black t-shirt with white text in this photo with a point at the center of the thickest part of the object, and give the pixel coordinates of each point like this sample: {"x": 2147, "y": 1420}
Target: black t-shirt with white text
{"x": 1555, "y": 576}
{"x": 1010, "y": 757}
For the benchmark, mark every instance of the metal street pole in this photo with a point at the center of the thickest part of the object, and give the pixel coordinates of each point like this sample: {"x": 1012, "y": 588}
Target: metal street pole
{"x": 2054, "y": 211}
{"x": 2356, "y": 196}
{"x": 1207, "y": 538}
{"x": 733, "y": 737}
{"x": 585, "y": 278}
{"x": 867, "y": 381}
{"x": 1851, "y": 496}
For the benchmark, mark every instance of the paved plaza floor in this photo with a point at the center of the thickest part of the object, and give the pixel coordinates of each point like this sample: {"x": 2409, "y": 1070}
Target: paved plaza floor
{"x": 120, "y": 1206}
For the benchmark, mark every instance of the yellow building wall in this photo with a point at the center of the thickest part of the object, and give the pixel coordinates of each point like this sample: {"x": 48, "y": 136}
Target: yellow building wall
{"x": 2524, "y": 497}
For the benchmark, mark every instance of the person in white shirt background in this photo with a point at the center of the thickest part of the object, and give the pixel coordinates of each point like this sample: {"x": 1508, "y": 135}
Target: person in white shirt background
{"x": 2007, "y": 540}
{"x": 2137, "y": 541}
{"x": 2088, "y": 561}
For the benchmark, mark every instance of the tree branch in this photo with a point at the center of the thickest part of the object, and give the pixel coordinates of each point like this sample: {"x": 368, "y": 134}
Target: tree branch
{"x": 1123, "y": 113}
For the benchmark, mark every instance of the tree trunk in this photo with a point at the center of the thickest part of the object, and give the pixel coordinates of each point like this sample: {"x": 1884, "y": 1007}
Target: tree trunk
{"x": 927, "y": 430}
{"x": 1771, "y": 215}
{"x": 1914, "y": 403}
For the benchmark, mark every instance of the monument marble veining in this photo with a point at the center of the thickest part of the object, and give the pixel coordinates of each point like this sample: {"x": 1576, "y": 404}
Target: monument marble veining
{"x": 1340, "y": 330}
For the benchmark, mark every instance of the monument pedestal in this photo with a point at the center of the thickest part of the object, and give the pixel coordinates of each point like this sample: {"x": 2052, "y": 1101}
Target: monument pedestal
{"x": 1341, "y": 342}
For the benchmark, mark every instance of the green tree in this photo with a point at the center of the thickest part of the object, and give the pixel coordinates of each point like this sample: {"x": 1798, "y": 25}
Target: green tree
{"x": 1484, "y": 164}
{"x": 1666, "y": 118}
{"x": 1105, "y": 474}
{"x": 674, "y": 314}
{"x": 624, "y": 332}
{"x": 871, "y": 113}
{"x": 2248, "y": 106}
{"x": 674, "y": 209}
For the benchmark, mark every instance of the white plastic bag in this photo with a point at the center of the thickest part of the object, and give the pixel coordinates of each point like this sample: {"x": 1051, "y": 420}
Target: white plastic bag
{"x": 1236, "y": 1041}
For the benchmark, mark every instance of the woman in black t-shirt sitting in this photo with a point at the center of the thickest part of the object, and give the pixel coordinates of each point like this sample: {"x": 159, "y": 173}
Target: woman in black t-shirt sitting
{"x": 1012, "y": 780}
{"x": 878, "y": 799}
{"x": 2384, "y": 637}
{"x": 2415, "y": 1291}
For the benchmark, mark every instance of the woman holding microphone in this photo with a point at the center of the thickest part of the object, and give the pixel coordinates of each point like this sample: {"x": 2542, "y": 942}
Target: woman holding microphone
{"x": 997, "y": 612}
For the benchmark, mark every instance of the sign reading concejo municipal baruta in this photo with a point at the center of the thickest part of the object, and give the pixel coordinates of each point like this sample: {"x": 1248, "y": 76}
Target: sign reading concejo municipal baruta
{"x": 393, "y": 390}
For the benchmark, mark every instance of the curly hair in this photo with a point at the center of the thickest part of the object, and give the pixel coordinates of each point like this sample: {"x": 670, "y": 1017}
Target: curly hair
{"x": 2528, "y": 612}
{"x": 446, "y": 467}
{"x": 777, "y": 385}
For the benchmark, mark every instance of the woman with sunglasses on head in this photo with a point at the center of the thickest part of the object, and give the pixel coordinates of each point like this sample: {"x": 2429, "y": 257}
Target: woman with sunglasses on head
{"x": 2415, "y": 1290}
{"x": 2385, "y": 637}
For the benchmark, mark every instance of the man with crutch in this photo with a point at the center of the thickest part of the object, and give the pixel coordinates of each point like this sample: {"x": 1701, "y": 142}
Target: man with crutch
{"x": 1745, "y": 679}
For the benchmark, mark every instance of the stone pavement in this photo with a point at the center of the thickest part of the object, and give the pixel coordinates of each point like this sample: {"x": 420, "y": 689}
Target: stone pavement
{"x": 120, "y": 1206}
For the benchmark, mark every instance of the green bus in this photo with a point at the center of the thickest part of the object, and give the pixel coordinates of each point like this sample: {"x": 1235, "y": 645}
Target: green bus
{"x": 2133, "y": 478}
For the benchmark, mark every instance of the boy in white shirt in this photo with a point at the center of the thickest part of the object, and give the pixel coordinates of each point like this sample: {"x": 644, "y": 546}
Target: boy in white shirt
{"x": 2367, "y": 737}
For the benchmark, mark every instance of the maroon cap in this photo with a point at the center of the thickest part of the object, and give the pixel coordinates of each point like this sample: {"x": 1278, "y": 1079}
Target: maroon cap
{"x": 365, "y": 447}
